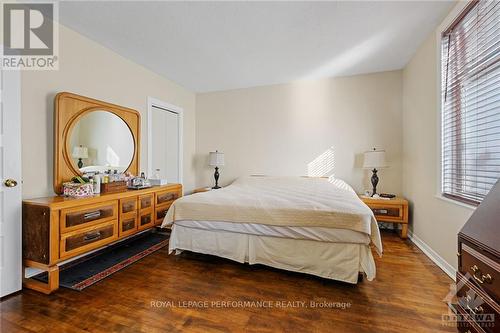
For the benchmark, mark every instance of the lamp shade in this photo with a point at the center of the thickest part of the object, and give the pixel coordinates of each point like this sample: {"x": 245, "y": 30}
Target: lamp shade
{"x": 374, "y": 159}
{"x": 80, "y": 152}
{"x": 216, "y": 158}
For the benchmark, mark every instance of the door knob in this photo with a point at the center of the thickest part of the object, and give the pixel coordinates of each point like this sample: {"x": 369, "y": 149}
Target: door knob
{"x": 10, "y": 183}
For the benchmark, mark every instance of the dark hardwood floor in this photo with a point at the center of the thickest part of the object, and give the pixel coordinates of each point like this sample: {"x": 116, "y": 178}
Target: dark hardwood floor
{"x": 405, "y": 297}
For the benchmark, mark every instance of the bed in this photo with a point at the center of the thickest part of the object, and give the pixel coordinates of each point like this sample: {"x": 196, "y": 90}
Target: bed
{"x": 317, "y": 226}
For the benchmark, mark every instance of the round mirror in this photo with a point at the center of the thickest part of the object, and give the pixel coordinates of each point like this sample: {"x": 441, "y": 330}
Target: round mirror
{"x": 100, "y": 141}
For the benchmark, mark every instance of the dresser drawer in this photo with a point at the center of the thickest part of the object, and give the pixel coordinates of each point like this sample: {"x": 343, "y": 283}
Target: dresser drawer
{"x": 146, "y": 219}
{"x": 484, "y": 271}
{"x": 166, "y": 197}
{"x": 478, "y": 307}
{"x": 146, "y": 201}
{"x": 464, "y": 325}
{"x": 160, "y": 213}
{"x": 128, "y": 226}
{"x": 80, "y": 241}
{"x": 85, "y": 216}
{"x": 128, "y": 205}
{"x": 387, "y": 212}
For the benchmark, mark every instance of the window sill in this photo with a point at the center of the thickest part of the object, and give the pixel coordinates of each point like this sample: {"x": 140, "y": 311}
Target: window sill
{"x": 458, "y": 203}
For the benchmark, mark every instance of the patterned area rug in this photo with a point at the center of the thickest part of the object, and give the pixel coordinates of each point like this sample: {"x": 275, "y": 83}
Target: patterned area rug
{"x": 83, "y": 273}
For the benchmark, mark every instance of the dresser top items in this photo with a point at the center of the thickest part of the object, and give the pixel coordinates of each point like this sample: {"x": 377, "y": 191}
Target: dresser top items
{"x": 59, "y": 202}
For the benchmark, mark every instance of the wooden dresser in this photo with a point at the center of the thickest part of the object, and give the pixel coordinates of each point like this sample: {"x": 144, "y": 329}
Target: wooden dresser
{"x": 58, "y": 228}
{"x": 478, "y": 276}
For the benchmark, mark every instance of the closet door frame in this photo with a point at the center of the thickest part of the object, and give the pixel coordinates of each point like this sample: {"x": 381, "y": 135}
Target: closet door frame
{"x": 159, "y": 104}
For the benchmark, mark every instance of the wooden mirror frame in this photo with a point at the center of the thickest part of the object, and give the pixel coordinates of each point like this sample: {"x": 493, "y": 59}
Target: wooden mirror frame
{"x": 68, "y": 108}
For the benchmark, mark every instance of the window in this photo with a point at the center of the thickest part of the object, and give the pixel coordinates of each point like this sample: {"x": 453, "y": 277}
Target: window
{"x": 470, "y": 101}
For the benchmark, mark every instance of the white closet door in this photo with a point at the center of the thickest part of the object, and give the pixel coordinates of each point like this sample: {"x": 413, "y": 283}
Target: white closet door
{"x": 165, "y": 144}
{"x": 10, "y": 187}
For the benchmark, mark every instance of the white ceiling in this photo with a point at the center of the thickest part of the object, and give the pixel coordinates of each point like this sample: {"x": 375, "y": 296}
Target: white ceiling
{"x": 208, "y": 46}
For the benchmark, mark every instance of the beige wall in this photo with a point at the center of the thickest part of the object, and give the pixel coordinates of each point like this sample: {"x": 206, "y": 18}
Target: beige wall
{"x": 435, "y": 221}
{"x": 89, "y": 69}
{"x": 318, "y": 127}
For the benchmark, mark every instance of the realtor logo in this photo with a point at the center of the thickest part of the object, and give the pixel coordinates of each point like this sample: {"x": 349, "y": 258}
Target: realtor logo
{"x": 29, "y": 36}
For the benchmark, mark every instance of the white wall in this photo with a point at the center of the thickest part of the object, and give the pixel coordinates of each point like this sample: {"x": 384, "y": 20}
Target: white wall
{"x": 92, "y": 70}
{"x": 317, "y": 127}
{"x": 434, "y": 221}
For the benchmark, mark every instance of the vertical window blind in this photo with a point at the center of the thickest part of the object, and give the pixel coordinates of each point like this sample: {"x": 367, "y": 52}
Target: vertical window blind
{"x": 470, "y": 119}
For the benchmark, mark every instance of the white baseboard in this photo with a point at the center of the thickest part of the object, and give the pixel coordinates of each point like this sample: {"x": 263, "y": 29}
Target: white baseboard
{"x": 436, "y": 258}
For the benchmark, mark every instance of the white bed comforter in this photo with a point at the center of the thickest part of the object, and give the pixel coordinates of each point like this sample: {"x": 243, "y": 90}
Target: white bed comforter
{"x": 281, "y": 201}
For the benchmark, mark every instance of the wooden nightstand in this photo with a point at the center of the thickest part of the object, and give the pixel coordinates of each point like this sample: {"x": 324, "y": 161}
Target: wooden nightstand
{"x": 394, "y": 211}
{"x": 203, "y": 189}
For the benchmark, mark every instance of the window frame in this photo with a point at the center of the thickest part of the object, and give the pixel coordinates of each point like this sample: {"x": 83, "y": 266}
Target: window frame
{"x": 451, "y": 19}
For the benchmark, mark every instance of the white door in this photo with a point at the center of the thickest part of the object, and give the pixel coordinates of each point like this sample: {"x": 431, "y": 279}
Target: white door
{"x": 10, "y": 187}
{"x": 165, "y": 152}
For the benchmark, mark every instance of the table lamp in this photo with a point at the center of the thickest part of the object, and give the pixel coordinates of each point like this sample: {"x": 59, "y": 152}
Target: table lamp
{"x": 80, "y": 152}
{"x": 374, "y": 159}
{"x": 216, "y": 160}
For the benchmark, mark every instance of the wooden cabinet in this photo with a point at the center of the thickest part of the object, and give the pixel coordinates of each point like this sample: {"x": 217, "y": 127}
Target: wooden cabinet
{"x": 478, "y": 275}
{"x": 56, "y": 229}
{"x": 202, "y": 189}
{"x": 390, "y": 210}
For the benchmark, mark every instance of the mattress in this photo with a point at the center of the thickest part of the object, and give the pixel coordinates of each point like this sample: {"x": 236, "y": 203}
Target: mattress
{"x": 289, "y": 202}
{"x": 332, "y": 235}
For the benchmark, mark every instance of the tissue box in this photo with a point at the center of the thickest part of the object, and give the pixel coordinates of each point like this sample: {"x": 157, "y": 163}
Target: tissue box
{"x": 158, "y": 181}
{"x": 78, "y": 190}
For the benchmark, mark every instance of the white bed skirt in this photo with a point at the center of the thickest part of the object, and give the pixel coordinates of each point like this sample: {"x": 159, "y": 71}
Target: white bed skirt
{"x": 337, "y": 261}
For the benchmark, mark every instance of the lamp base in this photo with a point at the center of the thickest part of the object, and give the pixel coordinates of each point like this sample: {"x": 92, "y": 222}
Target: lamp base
{"x": 80, "y": 163}
{"x": 216, "y": 177}
{"x": 374, "y": 181}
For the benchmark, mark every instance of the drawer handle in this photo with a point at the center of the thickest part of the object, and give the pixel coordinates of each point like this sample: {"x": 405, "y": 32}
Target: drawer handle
{"x": 92, "y": 215}
{"x": 479, "y": 277}
{"x": 92, "y": 236}
{"x": 478, "y": 309}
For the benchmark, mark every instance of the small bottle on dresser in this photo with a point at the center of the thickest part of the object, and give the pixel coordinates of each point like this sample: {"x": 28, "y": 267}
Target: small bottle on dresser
{"x": 97, "y": 183}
